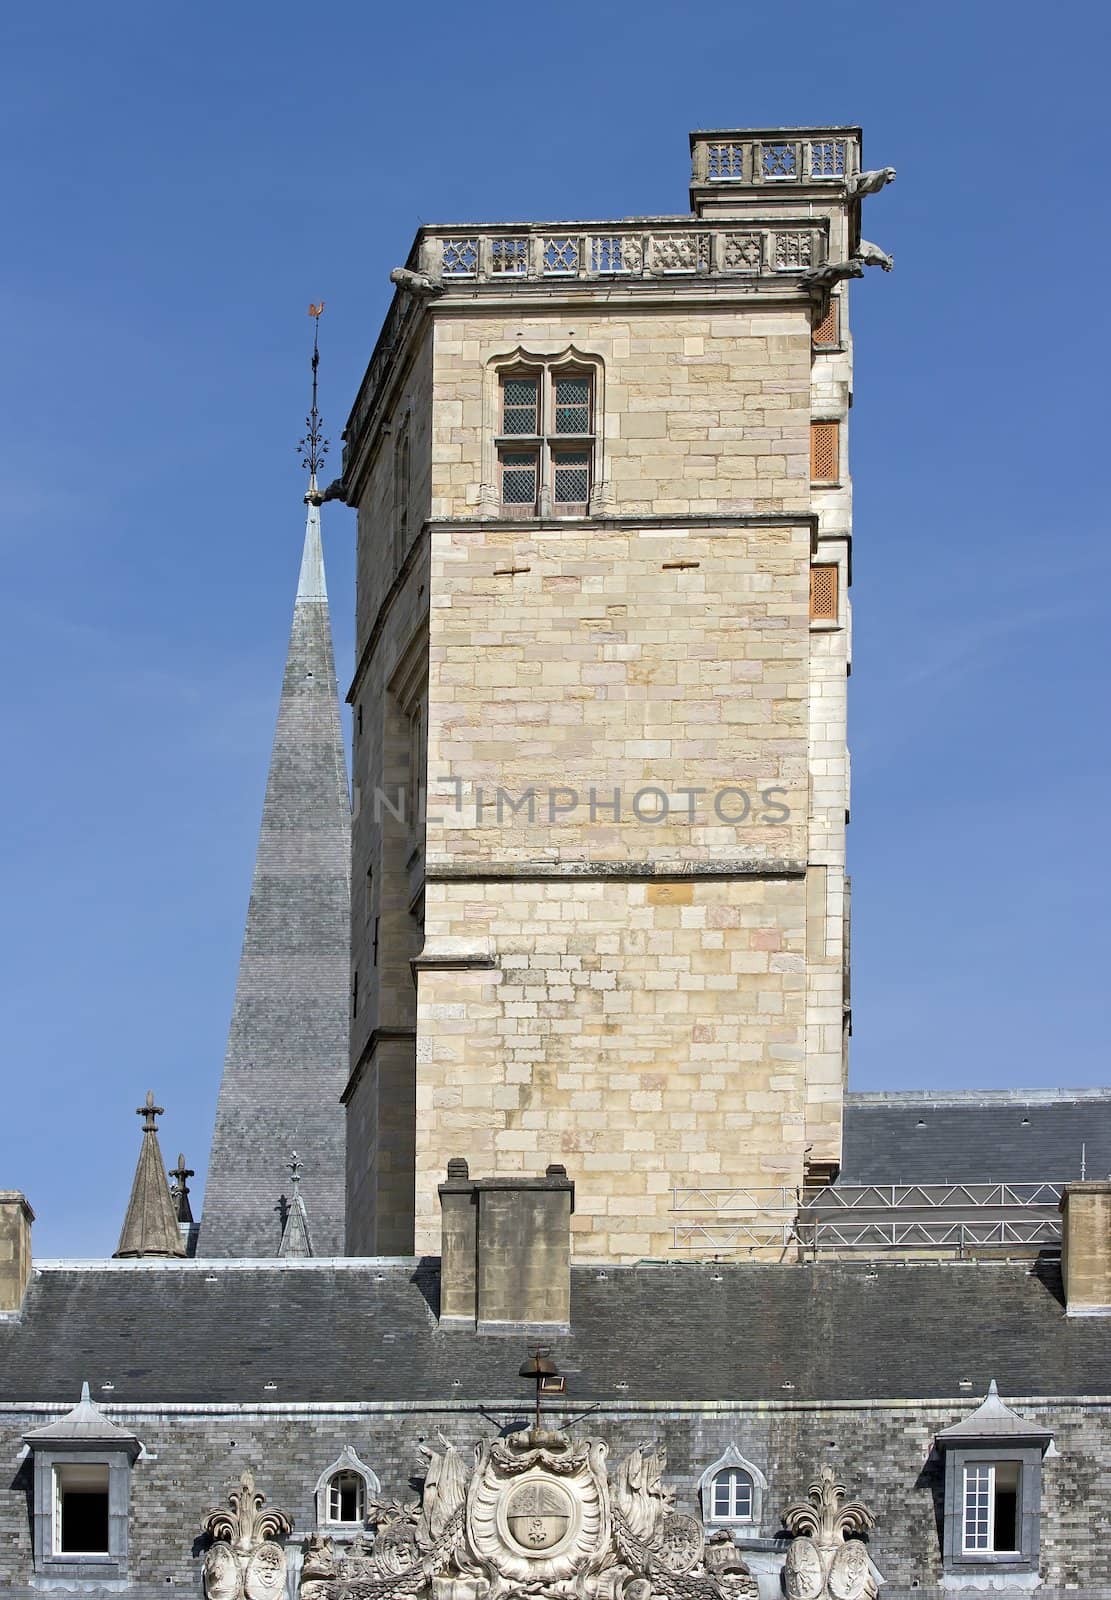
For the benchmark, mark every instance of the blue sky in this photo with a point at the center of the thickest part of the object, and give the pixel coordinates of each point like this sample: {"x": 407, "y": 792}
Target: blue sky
{"x": 181, "y": 179}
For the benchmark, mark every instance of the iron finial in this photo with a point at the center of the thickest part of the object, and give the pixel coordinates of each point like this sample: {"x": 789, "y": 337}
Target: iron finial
{"x": 314, "y": 447}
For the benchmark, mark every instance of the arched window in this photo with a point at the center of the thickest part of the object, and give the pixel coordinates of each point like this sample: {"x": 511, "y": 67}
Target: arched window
{"x": 732, "y": 1492}
{"x": 731, "y": 1496}
{"x": 344, "y": 1492}
{"x": 346, "y": 1497}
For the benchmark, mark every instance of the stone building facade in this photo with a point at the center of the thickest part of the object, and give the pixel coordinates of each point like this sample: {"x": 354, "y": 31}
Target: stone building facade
{"x": 603, "y": 637}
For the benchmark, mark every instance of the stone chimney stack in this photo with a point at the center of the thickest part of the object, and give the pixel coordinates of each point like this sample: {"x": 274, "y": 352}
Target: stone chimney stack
{"x": 505, "y": 1260}
{"x": 16, "y": 1218}
{"x": 1086, "y": 1248}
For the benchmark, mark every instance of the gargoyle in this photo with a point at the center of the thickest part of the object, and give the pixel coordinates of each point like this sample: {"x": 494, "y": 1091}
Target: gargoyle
{"x": 858, "y": 184}
{"x": 831, "y": 272}
{"x": 418, "y": 284}
{"x": 873, "y": 256}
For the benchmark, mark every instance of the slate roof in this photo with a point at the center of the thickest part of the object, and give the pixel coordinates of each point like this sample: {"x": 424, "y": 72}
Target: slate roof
{"x": 976, "y": 1136}
{"x": 366, "y": 1330}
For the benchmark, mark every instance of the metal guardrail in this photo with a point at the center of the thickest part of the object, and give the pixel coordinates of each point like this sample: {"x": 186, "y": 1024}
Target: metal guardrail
{"x": 932, "y": 1216}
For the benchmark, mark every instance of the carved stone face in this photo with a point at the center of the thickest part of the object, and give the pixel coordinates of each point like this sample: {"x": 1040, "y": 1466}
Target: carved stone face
{"x": 265, "y": 1575}
{"x": 221, "y": 1573}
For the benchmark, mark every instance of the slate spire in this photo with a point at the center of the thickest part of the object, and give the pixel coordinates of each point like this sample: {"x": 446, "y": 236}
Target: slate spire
{"x": 150, "y": 1227}
{"x": 295, "y": 1233}
{"x": 286, "y": 1061}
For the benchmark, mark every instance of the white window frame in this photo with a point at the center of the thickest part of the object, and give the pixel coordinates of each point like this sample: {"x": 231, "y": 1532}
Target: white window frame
{"x": 986, "y": 1472}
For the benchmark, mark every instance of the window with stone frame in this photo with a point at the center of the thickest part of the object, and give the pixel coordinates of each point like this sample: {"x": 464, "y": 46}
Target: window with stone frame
{"x": 732, "y": 1491}
{"x": 344, "y": 1492}
{"x": 545, "y": 440}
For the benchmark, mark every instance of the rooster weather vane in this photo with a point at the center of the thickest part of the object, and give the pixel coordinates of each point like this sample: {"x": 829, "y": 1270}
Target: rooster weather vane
{"x": 314, "y": 447}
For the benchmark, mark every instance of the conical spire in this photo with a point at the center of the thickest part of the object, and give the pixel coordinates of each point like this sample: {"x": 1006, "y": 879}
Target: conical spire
{"x": 286, "y": 1061}
{"x": 150, "y": 1227}
{"x": 295, "y": 1234}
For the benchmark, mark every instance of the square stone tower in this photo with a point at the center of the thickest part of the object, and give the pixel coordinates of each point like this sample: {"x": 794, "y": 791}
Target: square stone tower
{"x": 601, "y": 777}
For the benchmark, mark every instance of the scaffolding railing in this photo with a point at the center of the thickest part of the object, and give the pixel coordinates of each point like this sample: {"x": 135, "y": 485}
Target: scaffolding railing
{"x": 954, "y": 1217}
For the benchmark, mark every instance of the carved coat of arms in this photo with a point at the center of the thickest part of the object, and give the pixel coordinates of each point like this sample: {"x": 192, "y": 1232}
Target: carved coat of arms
{"x": 245, "y": 1560}
{"x": 538, "y": 1515}
{"x": 827, "y": 1560}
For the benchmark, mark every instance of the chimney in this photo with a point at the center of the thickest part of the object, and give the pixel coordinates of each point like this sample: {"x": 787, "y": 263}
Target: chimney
{"x": 16, "y": 1218}
{"x": 1086, "y": 1248}
{"x": 505, "y": 1261}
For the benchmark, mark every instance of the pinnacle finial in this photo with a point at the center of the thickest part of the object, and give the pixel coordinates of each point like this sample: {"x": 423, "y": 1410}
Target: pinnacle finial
{"x": 314, "y": 447}
{"x": 295, "y": 1165}
{"x": 150, "y": 1111}
{"x": 179, "y": 1189}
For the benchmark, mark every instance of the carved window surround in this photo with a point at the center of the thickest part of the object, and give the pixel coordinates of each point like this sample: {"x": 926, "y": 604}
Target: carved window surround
{"x": 732, "y": 1461}
{"x": 547, "y": 360}
{"x": 346, "y": 1462}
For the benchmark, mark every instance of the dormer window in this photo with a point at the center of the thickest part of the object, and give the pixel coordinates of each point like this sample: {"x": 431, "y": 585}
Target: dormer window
{"x": 732, "y": 1491}
{"x": 82, "y": 1483}
{"x": 344, "y": 1492}
{"x": 546, "y": 441}
{"x": 993, "y": 1490}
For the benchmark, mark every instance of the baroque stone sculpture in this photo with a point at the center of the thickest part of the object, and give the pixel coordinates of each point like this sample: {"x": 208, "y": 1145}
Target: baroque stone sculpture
{"x": 245, "y": 1562}
{"x": 827, "y": 1560}
{"x": 537, "y": 1514}
{"x": 858, "y": 184}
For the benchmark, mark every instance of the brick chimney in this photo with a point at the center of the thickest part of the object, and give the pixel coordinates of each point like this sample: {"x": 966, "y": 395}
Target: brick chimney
{"x": 505, "y": 1259}
{"x": 16, "y": 1218}
{"x": 1086, "y": 1247}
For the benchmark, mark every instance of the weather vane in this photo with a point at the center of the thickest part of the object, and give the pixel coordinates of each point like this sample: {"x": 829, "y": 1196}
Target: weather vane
{"x": 314, "y": 447}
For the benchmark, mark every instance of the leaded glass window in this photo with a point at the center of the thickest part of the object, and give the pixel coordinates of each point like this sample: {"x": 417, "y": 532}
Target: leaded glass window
{"x": 571, "y": 472}
{"x": 538, "y": 410}
{"x": 518, "y": 478}
{"x": 572, "y": 403}
{"x": 519, "y": 405}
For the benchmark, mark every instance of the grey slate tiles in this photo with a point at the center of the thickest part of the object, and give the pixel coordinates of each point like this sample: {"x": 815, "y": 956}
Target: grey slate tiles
{"x": 366, "y": 1331}
{"x": 976, "y": 1137}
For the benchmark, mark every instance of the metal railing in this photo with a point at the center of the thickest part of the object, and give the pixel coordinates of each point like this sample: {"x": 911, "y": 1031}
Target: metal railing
{"x": 955, "y": 1217}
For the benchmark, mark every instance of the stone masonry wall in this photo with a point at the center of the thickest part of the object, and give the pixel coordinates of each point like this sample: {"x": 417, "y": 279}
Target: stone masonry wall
{"x": 883, "y": 1452}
